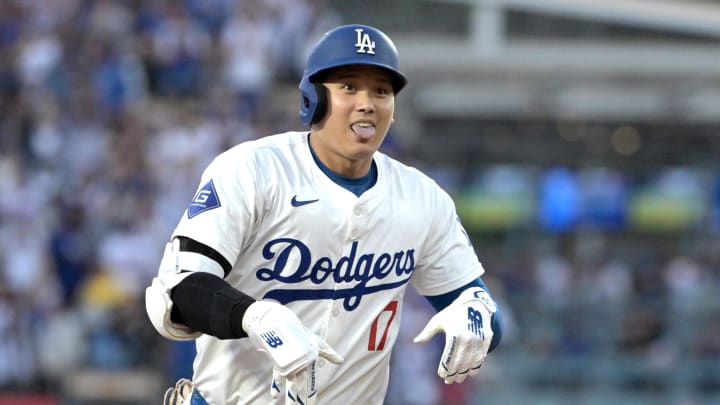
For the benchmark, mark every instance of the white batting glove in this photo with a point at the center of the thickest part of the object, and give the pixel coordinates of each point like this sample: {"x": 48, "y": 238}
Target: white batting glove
{"x": 468, "y": 333}
{"x": 276, "y": 330}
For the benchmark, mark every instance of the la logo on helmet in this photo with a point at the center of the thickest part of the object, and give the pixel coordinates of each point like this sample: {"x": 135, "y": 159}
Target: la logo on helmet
{"x": 364, "y": 44}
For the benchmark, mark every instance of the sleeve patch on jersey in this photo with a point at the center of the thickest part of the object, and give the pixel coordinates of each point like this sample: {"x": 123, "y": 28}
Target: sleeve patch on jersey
{"x": 206, "y": 199}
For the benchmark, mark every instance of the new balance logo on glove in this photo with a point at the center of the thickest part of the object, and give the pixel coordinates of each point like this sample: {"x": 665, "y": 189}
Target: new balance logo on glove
{"x": 476, "y": 322}
{"x": 272, "y": 339}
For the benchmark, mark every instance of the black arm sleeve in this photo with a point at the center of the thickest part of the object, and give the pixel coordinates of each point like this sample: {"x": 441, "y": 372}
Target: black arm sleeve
{"x": 207, "y": 303}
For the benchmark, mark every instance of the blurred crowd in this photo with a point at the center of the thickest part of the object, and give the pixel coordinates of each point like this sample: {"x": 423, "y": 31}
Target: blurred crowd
{"x": 109, "y": 111}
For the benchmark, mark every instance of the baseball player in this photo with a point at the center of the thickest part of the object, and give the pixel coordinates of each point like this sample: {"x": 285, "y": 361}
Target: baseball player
{"x": 290, "y": 263}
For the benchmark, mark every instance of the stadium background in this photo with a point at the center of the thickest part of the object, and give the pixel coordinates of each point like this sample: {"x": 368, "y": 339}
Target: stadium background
{"x": 579, "y": 138}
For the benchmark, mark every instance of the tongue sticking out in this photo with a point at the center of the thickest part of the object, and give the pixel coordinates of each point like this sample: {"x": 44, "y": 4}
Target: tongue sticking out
{"x": 363, "y": 132}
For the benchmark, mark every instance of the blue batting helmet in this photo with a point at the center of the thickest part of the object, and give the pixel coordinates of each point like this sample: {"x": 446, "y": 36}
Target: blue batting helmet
{"x": 342, "y": 46}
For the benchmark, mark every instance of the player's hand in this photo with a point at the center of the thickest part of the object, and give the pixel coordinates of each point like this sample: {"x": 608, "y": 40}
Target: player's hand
{"x": 176, "y": 395}
{"x": 276, "y": 330}
{"x": 468, "y": 333}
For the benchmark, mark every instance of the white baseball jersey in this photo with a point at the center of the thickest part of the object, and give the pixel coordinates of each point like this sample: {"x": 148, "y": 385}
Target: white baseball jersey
{"x": 339, "y": 261}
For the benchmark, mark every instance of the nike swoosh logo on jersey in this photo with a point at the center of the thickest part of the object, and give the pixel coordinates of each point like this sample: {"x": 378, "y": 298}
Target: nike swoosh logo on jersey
{"x": 299, "y": 203}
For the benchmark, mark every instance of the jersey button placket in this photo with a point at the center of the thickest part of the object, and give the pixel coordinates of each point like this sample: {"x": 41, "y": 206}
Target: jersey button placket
{"x": 356, "y": 219}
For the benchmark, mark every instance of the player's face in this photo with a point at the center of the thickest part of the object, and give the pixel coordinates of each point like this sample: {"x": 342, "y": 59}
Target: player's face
{"x": 361, "y": 103}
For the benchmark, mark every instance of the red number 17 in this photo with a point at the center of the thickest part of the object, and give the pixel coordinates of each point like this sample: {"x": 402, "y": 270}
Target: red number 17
{"x": 373, "y": 343}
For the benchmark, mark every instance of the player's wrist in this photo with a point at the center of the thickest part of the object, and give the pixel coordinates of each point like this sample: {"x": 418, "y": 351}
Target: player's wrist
{"x": 478, "y": 294}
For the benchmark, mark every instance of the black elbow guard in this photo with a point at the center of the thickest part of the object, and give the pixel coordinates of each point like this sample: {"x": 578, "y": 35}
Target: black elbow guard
{"x": 209, "y": 304}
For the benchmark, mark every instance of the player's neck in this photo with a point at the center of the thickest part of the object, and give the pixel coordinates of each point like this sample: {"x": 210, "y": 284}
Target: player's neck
{"x": 338, "y": 163}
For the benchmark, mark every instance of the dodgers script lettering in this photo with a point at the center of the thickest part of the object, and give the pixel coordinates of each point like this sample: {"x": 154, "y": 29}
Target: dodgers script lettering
{"x": 293, "y": 263}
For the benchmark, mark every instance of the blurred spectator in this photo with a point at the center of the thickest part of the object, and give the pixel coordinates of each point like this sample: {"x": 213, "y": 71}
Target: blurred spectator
{"x": 322, "y": 17}
{"x": 212, "y": 15}
{"x": 118, "y": 77}
{"x": 39, "y": 53}
{"x": 684, "y": 280}
{"x": 247, "y": 56}
{"x": 553, "y": 278}
{"x": 642, "y": 327}
{"x": 178, "y": 48}
{"x": 110, "y": 20}
{"x": 17, "y": 354}
{"x": 133, "y": 271}
{"x": 61, "y": 346}
{"x": 72, "y": 249}
{"x": 609, "y": 284}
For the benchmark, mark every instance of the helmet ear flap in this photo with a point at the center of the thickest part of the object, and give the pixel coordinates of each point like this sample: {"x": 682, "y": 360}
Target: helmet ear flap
{"x": 313, "y": 102}
{"x": 308, "y": 101}
{"x": 321, "y": 107}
